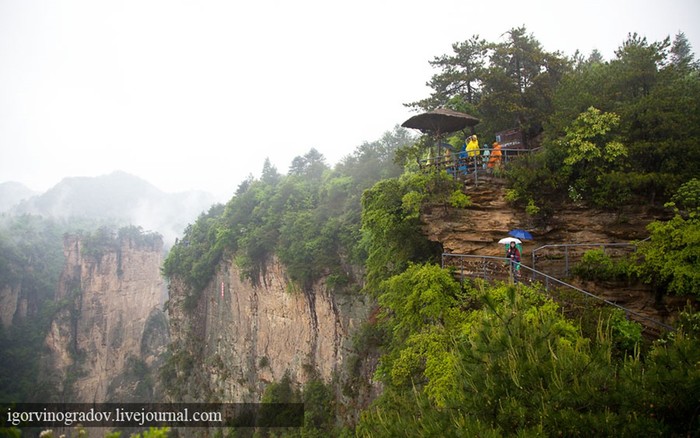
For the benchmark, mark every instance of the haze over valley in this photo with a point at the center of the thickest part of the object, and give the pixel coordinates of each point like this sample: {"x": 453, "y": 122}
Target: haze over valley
{"x": 116, "y": 199}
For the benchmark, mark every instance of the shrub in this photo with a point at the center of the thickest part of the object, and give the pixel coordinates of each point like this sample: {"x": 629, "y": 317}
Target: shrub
{"x": 596, "y": 265}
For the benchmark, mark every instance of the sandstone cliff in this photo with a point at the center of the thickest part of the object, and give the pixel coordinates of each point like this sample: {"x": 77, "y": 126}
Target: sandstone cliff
{"x": 106, "y": 341}
{"x": 242, "y": 336}
{"x": 476, "y": 230}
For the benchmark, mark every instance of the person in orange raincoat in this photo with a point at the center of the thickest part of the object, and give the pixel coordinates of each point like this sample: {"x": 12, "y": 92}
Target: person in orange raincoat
{"x": 495, "y": 157}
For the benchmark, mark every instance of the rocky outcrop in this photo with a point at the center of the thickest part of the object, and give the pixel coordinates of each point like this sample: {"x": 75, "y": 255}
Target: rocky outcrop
{"x": 244, "y": 336}
{"x": 107, "y": 340}
{"x": 476, "y": 230}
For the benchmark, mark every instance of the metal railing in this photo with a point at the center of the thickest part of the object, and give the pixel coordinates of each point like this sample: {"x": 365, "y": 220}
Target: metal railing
{"x": 492, "y": 268}
{"x": 460, "y": 164}
{"x": 569, "y": 254}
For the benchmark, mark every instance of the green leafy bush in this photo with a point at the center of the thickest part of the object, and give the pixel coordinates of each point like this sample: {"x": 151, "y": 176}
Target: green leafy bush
{"x": 597, "y": 265}
{"x": 391, "y": 228}
{"x": 670, "y": 258}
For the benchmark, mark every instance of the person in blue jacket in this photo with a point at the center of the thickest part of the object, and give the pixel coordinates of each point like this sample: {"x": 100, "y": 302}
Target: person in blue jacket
{"x": 462, "y": 160}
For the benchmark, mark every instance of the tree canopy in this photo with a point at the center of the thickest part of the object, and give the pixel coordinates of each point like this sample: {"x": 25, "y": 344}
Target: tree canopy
{"x": 309, "y": 219}
{"x": 507, "y": 85}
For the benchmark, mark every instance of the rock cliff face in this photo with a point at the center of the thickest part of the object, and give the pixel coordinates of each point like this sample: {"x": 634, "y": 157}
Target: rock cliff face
{"x": 107, "y": 340}
{"x": 11, "y": 304}
{"x": 476, "y": 230}
{"x": 241, "y": 336}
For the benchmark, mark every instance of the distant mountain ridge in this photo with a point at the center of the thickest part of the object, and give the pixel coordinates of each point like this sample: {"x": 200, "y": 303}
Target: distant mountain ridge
{"x": 122, "y": 198}
{"x": 11, "y": 193}
{"x": 103, "y": 197}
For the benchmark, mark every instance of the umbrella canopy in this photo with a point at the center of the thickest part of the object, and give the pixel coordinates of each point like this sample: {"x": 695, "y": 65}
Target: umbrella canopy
{"x": 507, "y": 240}
{"x": 521, "y": 234}
{"x": 440, "y": 121}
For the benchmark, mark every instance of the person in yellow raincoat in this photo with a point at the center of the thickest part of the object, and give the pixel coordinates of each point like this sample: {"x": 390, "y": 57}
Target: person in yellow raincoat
{"x": 473, "y": 147}
{"x": 495, "y": 157}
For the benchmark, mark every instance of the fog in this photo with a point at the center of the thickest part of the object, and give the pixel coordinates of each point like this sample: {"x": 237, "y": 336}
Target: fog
{"x": 117, "y": 199}
{"x": 195, "y": 95}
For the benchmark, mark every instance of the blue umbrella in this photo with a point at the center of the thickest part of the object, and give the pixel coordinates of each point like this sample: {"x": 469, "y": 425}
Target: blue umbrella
{"x": 520, "y": 234}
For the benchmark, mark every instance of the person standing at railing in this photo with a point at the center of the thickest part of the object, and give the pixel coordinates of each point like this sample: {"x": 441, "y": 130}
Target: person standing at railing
{"x": 449, "y": 164}
{"x": 473, "y": 147}
{"x": 448, "y": 154}
{"x": 462, "y": 160}
{"x": 485, "y": 156}
{"x": 495, "y": 156}
{"x": 472, "y": 152}
{"x": 513, "y": 255}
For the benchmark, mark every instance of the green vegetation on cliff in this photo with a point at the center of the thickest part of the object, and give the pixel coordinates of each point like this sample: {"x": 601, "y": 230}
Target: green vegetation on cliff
{"x": 494, "y": 360}
{"x": 670, "y": 259}
{"x": 499, "y": 360}
{"x": 31, "y": 260}
{"x": 611, "y": 132}
{"x": 622, "y": 131}
{"x": 310, "y": 219}
{"x": 391, "y": 224}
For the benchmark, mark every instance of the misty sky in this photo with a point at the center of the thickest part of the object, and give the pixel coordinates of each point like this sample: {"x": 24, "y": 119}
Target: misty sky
{"x": 194, "y": 95}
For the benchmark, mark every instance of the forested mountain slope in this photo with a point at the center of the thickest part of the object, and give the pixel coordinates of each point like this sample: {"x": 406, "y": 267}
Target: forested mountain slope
{"x": 478, "y": 358}
{"x": 323, "y": 285}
